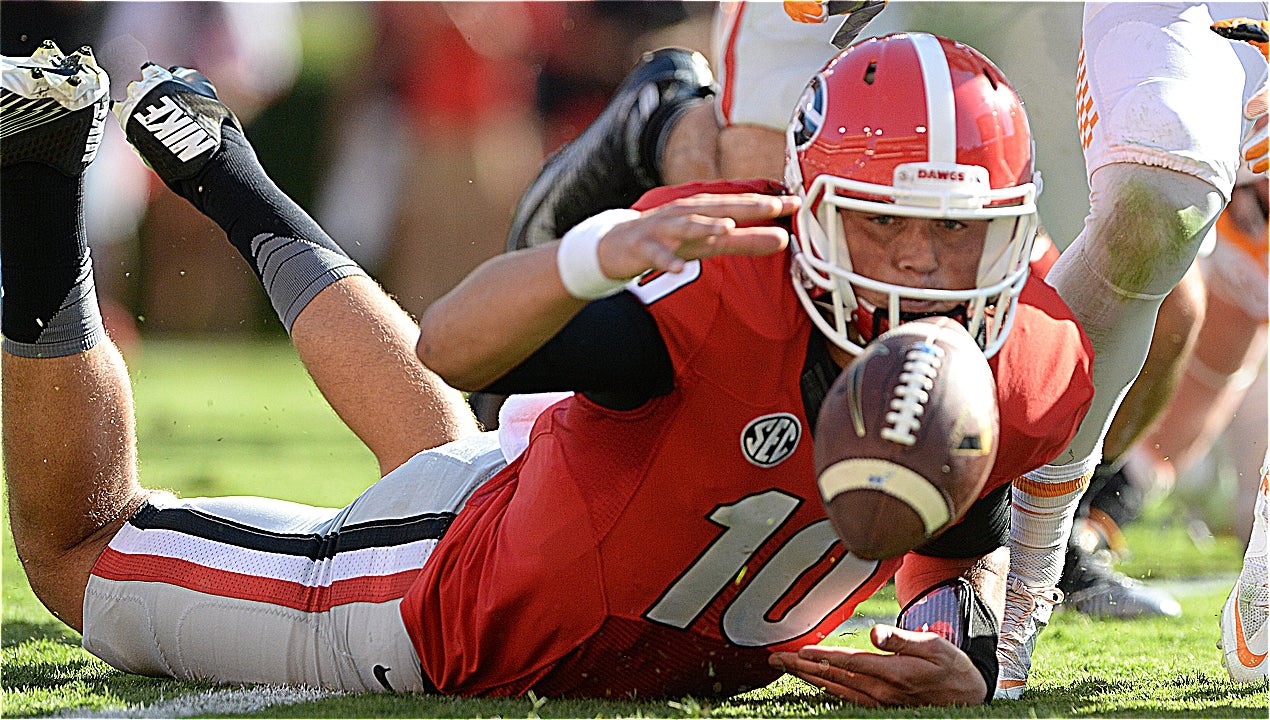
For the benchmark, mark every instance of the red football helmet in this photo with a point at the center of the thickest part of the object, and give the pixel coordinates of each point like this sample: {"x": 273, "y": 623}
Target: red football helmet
{"x": 910, "y": 125}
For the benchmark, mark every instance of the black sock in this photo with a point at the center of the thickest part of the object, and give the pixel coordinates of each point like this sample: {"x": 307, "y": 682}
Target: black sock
{"x": 290, "y": 254}
{"x": 49, "y": 304}
{"x": 1113, "y": 493}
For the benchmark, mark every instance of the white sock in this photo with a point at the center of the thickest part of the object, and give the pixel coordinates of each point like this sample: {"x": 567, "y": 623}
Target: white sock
{"x": 1261, "y": 515}
{"x": 1041, "y": 516}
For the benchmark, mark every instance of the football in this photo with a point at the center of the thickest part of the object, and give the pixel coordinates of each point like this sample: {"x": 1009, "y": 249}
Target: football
{"x": 906, "y": 437}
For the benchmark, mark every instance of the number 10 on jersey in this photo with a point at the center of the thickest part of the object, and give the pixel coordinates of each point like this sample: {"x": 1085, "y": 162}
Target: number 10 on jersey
{"x": 747, "y": 524}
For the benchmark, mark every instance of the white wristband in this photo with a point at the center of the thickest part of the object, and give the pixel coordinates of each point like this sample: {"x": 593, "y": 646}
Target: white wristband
{"x": 578, "y": 256}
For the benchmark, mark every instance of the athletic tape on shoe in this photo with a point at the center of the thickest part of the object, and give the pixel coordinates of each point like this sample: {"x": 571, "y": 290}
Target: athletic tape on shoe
{"x": 578, "y": 256}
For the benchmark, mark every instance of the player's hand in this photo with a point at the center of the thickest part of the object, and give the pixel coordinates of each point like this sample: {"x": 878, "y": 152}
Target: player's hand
{"x": 1254, "y": 146}
{"x": 921, "y": 668}
{"x": 1254, "y": 32}
{"x": 1257, "y": 34}
{"x": 818, "y": 11}
{"x": 692, "y": 228}
{"x": 806, "y": 11}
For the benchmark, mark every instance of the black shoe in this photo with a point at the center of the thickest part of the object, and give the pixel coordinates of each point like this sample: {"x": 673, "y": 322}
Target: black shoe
{"x": 858, "y": 12}
{"x": 173, "y": 119}
{"x": 1115, "y": 498}
{"x": 53, "y": 108}
{"x": 611, "y": 164}
{"x": 1094, "y": 588}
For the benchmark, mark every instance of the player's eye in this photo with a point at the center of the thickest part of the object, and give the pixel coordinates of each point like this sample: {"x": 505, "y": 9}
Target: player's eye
{"x": 883, "y": 220}
{"x": 947, "y": 224}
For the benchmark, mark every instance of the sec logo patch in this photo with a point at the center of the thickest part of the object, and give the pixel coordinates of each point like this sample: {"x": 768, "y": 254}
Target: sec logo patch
{"x": 770, "y": 439}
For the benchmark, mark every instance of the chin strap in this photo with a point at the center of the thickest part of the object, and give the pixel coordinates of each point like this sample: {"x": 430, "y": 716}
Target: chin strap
{"x": 954, "y": 610}
{"x": 877, "y": 323}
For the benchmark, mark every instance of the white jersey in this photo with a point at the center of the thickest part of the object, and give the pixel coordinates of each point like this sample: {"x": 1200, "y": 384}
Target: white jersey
{"x": 1157, "y": 87}
{"x": 764, "y": 60}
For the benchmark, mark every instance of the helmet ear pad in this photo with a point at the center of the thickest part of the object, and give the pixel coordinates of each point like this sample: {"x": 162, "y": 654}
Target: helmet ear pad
{"x": 912, "y": 125}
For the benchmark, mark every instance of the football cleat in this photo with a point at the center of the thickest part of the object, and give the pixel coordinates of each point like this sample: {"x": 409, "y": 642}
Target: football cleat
{"x": 611, "y": 164}
{"x": 1094, "y": 588}
{"x": 52, "y": 108}
{"x": 1027, "y": 613}
{"x": 1244, "y": 633}
{"x": 173, "y": 119}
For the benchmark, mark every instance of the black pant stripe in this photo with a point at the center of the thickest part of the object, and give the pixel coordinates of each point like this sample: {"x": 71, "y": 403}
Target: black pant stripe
{"x": 380, "y": 533}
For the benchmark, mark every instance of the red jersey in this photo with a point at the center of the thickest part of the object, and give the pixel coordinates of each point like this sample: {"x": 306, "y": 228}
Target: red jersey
{"x": 668, "y": 550}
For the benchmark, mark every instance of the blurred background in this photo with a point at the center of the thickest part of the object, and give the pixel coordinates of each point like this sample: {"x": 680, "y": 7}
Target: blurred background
{"x": 410, "y": 129}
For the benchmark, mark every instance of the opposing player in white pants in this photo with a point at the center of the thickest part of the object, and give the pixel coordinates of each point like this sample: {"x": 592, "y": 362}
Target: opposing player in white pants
{"x": 763, "y": 61}
{"x": 1162, "y": 112}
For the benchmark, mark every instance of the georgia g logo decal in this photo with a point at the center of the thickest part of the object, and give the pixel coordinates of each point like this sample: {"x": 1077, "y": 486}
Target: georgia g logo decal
{"x": 770, "y": 439}
{"x": 809, "y": 116}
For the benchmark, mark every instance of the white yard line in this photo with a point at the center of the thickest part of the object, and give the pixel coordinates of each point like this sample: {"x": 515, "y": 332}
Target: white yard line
{"x": 1182, "y": 587}
{"x": 211, "y": 703}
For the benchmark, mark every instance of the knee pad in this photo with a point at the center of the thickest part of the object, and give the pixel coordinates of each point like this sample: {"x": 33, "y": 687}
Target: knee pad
{"x": 1145, "y": 226}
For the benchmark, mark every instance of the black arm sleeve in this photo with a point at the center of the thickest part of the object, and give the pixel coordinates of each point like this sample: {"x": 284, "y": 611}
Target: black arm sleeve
{"x": 611, "y": 351}
{"x": 985, "y": 528}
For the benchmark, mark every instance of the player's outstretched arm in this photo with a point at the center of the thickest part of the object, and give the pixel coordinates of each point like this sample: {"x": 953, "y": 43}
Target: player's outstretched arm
{"x": 512, "y": 304}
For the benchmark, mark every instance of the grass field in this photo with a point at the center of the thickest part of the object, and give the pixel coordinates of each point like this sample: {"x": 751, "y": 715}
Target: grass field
{"x": 245, "y": 419}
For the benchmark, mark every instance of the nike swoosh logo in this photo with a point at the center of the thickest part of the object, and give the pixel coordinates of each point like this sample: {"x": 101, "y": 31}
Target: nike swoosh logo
{"x": 1247, "y": 657}
{"x": 381, "y": 674}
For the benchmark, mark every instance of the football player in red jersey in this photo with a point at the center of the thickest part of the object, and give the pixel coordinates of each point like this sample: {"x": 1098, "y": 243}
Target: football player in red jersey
{"x": 909, "y": 208}
{"x": 661, "y": 532}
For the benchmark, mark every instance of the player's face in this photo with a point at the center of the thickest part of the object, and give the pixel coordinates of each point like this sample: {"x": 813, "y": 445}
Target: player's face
{"x": 917, "y": 252}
